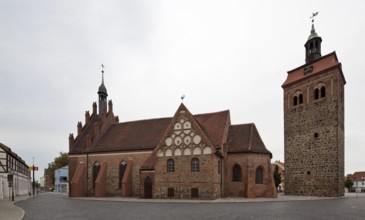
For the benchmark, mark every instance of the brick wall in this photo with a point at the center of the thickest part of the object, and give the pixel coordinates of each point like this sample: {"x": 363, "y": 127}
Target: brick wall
{"x": 314, "y": 138}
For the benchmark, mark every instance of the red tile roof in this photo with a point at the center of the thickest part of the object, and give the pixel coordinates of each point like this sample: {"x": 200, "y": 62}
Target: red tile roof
{"x": 358, "y": 176}
{"x": 245, "y": 138}
{"x": 146, "y": 134}
{"x": 324, "y": 63}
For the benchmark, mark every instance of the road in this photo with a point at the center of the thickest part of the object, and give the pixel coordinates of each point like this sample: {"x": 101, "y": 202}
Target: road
{"x": 57, "y": 206}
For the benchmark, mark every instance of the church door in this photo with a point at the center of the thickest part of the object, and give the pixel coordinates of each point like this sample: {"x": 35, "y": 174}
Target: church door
{"x": 148, "y": 188}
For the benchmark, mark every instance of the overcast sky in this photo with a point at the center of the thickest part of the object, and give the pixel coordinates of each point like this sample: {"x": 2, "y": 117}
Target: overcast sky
{"x": 221, "y": 54}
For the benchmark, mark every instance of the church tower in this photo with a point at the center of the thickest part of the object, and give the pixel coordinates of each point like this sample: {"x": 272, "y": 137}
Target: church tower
{"x": 314, "y": 124}
{"x": 102, "y": 95}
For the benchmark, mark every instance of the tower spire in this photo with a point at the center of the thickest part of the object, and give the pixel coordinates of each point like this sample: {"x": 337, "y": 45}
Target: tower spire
{"x": 313, "y": 44}
{"x": 103, "y": 94}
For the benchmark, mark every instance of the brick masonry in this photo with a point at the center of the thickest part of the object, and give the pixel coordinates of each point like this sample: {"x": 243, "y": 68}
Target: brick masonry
{"x": 314, "y": 136}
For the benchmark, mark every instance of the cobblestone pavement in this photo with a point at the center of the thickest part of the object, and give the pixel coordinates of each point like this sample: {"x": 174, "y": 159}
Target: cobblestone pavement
{"x": 58, "y": 206}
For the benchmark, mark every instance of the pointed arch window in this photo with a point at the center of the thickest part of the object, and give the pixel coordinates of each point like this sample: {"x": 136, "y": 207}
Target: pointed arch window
{"x": 316, "y": 93}
{"x": 170, "y": 166}
{"x": 259, "y": 175}
{"x": 96, "y": 169}
{"x": 323, "y": 92}
{"x": 295, "y": 101}
{"x": 236, "y": 173}
{"x": 300, "y": 98}
{"x": 122, "y": 168}
{"x": 195, "y": 165}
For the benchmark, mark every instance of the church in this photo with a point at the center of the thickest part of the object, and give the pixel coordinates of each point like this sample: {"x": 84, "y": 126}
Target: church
{"x": 184, "y": 156}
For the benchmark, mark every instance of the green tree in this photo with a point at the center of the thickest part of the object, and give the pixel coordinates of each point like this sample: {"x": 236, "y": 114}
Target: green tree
{"x": 349, "y": 184}
{"x": 60, "y": 161}
{"x": 277, "y": 176}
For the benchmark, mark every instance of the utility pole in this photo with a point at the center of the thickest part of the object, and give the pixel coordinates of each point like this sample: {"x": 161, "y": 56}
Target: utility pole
{"x": 33, "y": 179}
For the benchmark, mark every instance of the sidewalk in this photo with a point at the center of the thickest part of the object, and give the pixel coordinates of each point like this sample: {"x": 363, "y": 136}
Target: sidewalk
{"x": 9, "y": 211}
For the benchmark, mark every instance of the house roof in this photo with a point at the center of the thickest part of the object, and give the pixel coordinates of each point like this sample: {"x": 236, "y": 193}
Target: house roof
{"x": 13, "y": 154}
{"x": 245, "y": 138}
{"x": 318, "y": 66}
{"x": 146, "y": 134}
{"x": 358, "y": 176}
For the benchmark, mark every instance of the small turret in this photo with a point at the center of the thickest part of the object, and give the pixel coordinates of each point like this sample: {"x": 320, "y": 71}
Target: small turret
{"x": 87, "y": 117}
{"x": 313, "y": 45}
{"x": 79, "y": 128}
{"x": 110, "y": 106}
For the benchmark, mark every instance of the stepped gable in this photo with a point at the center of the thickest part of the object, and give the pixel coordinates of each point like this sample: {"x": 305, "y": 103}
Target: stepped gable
{"x": 245, "y": 138}
{"x": 321, "y": 64}
{"x": 81, "y": 139}
{"x": 146, "y": 134}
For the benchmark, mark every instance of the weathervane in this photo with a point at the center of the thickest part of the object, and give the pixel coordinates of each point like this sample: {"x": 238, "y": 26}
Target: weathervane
{"x": 313, "y": 15}
{"x": 182, "y": 98}
{"x": 102, "y": 73}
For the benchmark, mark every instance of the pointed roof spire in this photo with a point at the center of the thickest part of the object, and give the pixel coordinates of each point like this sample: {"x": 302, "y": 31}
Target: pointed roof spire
{"x": 102, "y": 88}
{"x": 313, "y": 33}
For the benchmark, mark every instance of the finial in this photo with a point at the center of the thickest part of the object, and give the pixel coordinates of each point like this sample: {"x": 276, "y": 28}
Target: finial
{"x": 313, "y": 15}
{"x": 102, "y": 73}
{"x": 182, "y": 98}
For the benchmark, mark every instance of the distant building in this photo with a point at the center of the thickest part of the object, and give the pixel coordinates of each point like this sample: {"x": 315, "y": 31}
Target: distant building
{"x": 13, "y": 165}
{"x": 48, "y": 182}
{"x": 358, "y": 178}
{"x": 281, "y": 167}
{"x": 61, "y": 180}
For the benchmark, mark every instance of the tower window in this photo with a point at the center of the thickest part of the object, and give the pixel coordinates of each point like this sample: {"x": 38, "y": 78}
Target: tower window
{"x": 295, "y": 100}
{"x": 316, "y": 94}
{"x": 323, "y": 92}
{"x": 301, "y": 99}
{"x": 316, "y": 135}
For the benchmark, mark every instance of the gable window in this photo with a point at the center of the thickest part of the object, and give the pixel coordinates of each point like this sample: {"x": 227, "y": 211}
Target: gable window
{"x": 170, "y": 166}
{"x": 195, "y": 165}
{"x": 259, "y": 175}
{"x": 236, "y": 173}
{"x": 96, "y": 168}
{"x": 122, "y": 167}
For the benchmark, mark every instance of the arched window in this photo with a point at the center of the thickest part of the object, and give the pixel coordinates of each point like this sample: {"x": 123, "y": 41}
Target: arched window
{"x": 323, "y": 92}
{"x": 300, "y": 98}
{"x": 170, "y": 166}
{"x": 259, "y": 175}
{"x": 96, "y": 169}
{"x": 122, "y": 167}
{"x": 195, "y": 165}
{"x": 295, "y": 101}
{"x": 316, "y": 93}
{"x": 236, "y": 173}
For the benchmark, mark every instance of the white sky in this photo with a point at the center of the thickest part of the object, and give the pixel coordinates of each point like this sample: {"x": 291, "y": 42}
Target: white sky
{"x": 221, "y": 54}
